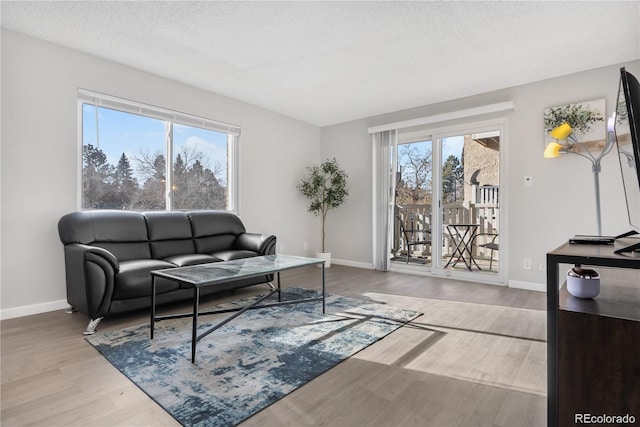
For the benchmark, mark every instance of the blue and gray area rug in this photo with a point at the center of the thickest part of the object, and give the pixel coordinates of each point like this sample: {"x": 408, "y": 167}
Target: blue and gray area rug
{"x": 251, "y": 362}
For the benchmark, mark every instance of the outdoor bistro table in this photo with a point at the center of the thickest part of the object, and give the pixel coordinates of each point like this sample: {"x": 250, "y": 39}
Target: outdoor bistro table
{"x": 203, "y": 275}
{"x": 462, "y": 235}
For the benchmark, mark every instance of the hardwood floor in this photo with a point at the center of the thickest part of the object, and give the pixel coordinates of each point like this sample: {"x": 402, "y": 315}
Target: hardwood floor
{"x": 476, "y": 357}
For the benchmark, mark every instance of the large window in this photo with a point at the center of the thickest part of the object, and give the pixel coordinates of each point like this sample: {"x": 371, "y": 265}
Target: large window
{"x": 125, "y": 147}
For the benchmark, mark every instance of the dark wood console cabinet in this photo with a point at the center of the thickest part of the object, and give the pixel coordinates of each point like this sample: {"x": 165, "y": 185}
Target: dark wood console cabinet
{"x": 593, "y": 345}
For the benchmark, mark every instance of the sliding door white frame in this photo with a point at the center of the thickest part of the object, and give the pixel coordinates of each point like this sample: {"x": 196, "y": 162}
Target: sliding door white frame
{"x": 436, "y": 135}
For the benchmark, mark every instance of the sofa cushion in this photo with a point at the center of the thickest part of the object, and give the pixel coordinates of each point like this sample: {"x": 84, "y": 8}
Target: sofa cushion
{"x": 134, "y": 278}
{"x": 119, "y": 226}
{"x": 126, "y": 251}
{"x": 234, "y": 254}
{"x": 191, "y": 259}
{"x": 209, "y": 245}
{"x": 123, "y": 233}
{"x": 212, "y": 223}
{"x": 215, "y": 230}
{"x": 169, "y": 234}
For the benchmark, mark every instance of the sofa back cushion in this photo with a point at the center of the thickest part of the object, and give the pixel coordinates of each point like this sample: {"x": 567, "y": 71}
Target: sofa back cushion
{"x": 123, "y": 233}
{"x": 169, "y": 234}
{"x": 215, "y": 231}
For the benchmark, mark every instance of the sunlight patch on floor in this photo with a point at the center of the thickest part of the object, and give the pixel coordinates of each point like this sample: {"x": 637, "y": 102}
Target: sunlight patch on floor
{"x": 486, "y": 344}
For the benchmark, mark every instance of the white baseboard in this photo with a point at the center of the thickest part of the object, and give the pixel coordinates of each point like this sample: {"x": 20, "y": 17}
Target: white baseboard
{"x": 348, "y": 263}
{"x": 28, "y": 310}
{"x": 516, "y": 284}
{"x": 528, "y": 286}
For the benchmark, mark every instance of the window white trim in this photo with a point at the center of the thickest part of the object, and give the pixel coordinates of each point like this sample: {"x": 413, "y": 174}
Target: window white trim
{"x": 233, "y": 174}
{"x": 437, "y": 118}
{"x": 128, "y": 106}
{"x": 168, "y": 142}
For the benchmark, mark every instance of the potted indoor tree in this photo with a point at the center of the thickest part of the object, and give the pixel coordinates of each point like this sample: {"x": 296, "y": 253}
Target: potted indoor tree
{"x": 325, "y": 186}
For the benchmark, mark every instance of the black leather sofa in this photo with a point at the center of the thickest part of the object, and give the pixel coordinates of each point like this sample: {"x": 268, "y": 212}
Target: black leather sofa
{"x": 109, "y": 255}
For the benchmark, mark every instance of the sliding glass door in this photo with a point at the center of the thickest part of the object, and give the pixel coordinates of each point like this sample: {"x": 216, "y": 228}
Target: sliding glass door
{"x": 448, "y": 202}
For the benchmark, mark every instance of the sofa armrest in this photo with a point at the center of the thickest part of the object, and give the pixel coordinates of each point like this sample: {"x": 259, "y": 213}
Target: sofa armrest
{"x": 264, "y": 244}
{"x": 102, "y": 253}
{"x": 90, "y": 272}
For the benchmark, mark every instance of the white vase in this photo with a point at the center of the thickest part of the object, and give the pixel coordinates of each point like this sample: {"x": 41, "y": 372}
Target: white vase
{"x": 325, "y": 256}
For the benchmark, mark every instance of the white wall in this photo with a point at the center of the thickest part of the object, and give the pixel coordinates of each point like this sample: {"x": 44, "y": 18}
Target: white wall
{"x": 558, "y": 205}
{"x": 40, "y": 160}
{"x": 39, "y": 164}
{"x": 349, "y": 227}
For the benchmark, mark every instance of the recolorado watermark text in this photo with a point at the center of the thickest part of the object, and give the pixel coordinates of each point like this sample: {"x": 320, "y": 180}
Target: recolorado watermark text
{"x": 604, "y": 419}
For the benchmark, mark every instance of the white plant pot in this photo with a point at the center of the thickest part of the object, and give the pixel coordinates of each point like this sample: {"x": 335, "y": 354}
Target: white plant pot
{"x": 325, "y": 256}
{"x": 583, "y": 282}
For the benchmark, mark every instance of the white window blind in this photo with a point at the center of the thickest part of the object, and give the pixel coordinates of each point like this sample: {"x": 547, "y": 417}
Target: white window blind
{"x": 437, "y": 118}
{"x": 107, "y": 101}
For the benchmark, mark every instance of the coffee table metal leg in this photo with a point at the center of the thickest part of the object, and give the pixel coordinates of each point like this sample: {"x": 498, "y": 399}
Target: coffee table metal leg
{"x": 153, "y": 304}
{"x": 194, "y": 330}
{"x": 279, "y": 289}
{"x": 323, "y": 295}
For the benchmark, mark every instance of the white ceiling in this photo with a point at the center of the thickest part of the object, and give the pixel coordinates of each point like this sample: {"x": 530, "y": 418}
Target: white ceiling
{"x": 331, "y": 62}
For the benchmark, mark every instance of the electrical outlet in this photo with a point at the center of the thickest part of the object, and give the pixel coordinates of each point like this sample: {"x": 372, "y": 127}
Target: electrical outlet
{"x": 526, "y": 263}
{"x": 305, "y": 246}
{"x": 528, "y": 181}
{"x": 281, "y": 249}
{"x": 541, "y": 268}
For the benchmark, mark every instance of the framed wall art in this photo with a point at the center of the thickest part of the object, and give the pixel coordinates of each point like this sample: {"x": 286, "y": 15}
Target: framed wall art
{"x": 586, "y": 118}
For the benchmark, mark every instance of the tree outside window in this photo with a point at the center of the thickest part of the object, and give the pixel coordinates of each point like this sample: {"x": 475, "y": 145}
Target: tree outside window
{"x": 125, "y": 163}
{"x": 414, "y": 174}
{"x": 452, "y": 180}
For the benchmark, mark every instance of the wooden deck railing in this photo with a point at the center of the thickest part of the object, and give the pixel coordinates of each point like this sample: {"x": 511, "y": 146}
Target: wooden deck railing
{"x": 418, "y": 218}
{"x": 485, "y": 195}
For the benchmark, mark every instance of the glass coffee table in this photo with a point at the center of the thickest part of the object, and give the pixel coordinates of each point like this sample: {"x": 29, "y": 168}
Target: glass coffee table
{"x": 204, "y": 275}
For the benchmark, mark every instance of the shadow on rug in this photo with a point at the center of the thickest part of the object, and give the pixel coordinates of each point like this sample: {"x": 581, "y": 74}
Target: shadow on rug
{"x": 251, "y": 362}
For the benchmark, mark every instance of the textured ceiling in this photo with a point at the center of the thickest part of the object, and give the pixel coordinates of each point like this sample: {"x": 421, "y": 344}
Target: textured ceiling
{"x": 330, "y": 62}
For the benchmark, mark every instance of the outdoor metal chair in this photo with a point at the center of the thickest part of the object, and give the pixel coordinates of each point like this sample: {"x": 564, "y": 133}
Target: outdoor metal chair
{"x": 413, "y": 237}
{"x": 489, "y": 243}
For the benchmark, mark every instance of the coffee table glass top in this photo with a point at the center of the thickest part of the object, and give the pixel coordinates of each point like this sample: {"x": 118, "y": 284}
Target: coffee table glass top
{"x": 207, "y": 274}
